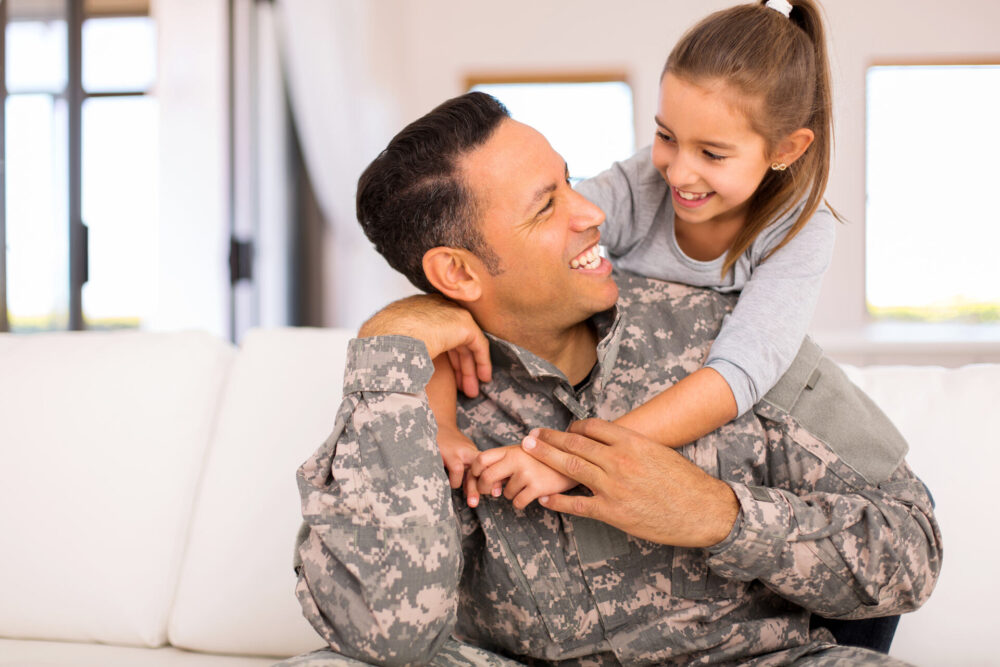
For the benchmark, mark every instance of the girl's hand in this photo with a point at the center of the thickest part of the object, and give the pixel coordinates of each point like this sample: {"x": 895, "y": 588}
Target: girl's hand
{"x": 457, "y": 452}
{"x": 516, "y": 475}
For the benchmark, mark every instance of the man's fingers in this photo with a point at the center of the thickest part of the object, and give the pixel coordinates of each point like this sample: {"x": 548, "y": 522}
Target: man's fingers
{"x": 559, "y": 451}
{"x": 601, "y": 431}
{"x": 584, "y": 446}
{"x": 469, "y": 383}
{"x": 478, "y": 346}
{"x": 587, "y": 506}
{"x": 456, "y": 366}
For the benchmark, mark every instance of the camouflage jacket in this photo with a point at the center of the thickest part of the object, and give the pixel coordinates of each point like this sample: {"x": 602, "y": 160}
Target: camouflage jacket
{"x": 391, "y": 561}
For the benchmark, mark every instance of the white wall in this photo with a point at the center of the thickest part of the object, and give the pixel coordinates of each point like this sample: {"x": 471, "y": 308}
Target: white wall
{"x": 443, "y": 41}
{"x": 193, "y": 286}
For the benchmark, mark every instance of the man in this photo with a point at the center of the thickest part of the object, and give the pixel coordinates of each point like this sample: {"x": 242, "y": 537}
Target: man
{"x": 726, "y": 547}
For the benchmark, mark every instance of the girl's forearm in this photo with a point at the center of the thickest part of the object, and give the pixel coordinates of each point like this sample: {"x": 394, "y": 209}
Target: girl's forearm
{"x": 698, "y": 404}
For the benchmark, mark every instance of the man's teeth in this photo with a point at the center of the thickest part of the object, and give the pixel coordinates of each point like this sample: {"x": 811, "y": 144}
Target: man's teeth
{"x": 691, "y": 196}
{"x": 588, "y": 260}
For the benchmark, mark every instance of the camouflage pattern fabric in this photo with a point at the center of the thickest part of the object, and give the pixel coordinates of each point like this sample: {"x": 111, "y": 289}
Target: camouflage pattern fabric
{"x": 392, "y": 563}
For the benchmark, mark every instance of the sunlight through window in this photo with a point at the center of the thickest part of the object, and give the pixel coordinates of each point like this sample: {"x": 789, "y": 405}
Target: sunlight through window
{"x": 589, "y": 123}
{"x": 932, "y": 232}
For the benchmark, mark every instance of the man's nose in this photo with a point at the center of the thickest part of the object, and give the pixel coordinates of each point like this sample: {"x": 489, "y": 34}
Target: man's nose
{"x": 586, "y": 214}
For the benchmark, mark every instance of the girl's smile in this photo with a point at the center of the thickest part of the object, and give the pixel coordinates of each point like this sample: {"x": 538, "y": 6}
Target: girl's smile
{"x": 690, "y": 199}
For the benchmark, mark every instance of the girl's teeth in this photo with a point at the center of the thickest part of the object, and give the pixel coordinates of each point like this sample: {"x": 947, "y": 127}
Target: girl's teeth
{"x": 690, "y": 196}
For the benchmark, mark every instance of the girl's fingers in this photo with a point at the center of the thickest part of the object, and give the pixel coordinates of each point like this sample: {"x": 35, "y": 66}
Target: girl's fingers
{"x": 471, "y": 493}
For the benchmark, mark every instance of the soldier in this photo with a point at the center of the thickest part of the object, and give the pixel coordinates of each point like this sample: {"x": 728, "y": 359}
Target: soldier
{"x": 717, "y": 552}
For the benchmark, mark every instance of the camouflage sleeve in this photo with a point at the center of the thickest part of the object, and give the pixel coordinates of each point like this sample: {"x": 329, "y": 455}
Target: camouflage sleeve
{"x": 827, "y": 538}
{"x": 378, "y": 558}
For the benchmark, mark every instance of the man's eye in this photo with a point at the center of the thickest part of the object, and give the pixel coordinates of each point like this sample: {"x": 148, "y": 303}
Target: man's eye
{"x": 547, "y": 206}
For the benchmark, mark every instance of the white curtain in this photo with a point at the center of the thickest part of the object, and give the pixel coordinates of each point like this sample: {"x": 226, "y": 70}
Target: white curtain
{"x": 335, "y": 55}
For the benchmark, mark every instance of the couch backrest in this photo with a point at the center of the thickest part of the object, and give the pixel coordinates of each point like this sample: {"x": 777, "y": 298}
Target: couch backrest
{"x": 236, "y": 593}
{"x": 102, "y": 439}
{"x": 946, "y": 416}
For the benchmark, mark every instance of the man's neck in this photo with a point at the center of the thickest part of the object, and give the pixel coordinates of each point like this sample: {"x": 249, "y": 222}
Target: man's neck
{"x": 573, "y": 351}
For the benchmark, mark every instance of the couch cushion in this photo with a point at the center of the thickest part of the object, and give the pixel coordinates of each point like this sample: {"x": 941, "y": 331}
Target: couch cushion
{"x": 945, "y": 414}
{"x": 102, "y": 440}
{"x": 20, "y": 653}
{"x": 236, "y": 591}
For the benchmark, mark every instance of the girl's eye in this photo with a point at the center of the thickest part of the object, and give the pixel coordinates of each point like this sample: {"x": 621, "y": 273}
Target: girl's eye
{"x": 713, "y": 156}
{"x": 663, "y": 136}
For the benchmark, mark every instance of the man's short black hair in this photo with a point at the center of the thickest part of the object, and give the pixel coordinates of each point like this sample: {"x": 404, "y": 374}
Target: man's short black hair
{"x": 412, "y": 197}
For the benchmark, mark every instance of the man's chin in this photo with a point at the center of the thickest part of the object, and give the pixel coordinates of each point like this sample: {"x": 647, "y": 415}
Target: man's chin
{"x": 608, "y": 298}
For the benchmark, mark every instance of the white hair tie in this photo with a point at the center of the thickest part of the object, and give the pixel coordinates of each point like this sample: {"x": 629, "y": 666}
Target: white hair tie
{"x": 782, "y": 6}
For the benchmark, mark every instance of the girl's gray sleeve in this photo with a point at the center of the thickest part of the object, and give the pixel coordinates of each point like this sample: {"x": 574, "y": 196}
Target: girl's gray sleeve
{"x": 761, "y": 337}
{"x": 617, "y": 192}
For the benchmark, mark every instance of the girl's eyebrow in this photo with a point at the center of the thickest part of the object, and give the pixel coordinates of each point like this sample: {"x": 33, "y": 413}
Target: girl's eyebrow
{"x": 704, "y": 142}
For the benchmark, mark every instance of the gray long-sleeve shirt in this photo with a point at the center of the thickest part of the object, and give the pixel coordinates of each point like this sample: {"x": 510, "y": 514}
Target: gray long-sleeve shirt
{"x": 761, "y": 337}
{"x": 392, "y": 561}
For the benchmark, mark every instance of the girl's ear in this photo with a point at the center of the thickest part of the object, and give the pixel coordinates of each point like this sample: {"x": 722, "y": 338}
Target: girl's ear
{"x": 454, "y": 272}
{"x": 793, "y": 146}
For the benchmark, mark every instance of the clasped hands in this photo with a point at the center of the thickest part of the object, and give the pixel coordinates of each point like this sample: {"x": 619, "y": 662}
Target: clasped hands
{"x": 638, "y": 486}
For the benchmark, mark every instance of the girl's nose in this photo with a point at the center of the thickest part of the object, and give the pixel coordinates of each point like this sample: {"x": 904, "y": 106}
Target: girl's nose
{"x": 679, "y": 172}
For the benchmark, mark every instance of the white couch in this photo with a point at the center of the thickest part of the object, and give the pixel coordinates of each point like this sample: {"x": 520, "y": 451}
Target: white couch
{"x": 148, "y": 506}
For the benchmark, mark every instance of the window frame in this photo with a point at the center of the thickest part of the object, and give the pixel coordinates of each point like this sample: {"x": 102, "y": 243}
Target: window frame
{"x": 75, "y": 97}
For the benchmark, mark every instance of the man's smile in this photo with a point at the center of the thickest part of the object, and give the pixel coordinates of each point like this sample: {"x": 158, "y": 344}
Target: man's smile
{"x": 589, "y": 259}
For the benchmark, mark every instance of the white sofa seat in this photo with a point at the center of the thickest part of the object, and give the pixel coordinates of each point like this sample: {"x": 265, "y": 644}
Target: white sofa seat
{"x": 148, "y": 505}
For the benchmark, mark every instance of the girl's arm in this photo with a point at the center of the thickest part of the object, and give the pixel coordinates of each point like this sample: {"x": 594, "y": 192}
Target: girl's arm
{"x": 756, "y": 344}
{"x": 698, "y": 404}
{"x": 457, "y": 451}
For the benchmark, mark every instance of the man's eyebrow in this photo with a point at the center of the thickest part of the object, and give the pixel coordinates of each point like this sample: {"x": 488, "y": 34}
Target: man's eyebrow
{"x": 543, "y": 191}
{"x": 703, "y": 142}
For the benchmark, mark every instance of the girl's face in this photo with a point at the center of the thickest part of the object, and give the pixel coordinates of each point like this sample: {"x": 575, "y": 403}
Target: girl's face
{"x": 707, "y": 152}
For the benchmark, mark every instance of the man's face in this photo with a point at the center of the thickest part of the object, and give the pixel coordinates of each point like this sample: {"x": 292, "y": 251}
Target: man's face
{"x": 543, "y": 231}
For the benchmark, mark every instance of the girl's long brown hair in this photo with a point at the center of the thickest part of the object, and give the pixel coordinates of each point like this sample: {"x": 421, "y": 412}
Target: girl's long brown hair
{"x": 780, "y": 70}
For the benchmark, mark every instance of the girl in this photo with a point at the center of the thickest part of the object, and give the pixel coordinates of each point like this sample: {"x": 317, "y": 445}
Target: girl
{"x": 730, "y": 196}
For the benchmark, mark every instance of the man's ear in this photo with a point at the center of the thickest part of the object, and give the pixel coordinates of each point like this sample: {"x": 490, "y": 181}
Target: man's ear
{"x": 454, "y": 272}
{"x": 793, "y": 146}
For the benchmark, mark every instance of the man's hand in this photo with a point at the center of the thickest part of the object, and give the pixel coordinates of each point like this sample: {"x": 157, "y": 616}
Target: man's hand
{"x": 443, "y": 326}
{"x": 517, "y": 475}
{"x": 639, "y": 486}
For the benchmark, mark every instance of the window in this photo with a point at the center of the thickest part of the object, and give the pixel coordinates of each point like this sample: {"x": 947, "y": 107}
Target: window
{"x": 932, "y": 225}
{"x": 589, "y": 120}
{"x": 80, "y": 146}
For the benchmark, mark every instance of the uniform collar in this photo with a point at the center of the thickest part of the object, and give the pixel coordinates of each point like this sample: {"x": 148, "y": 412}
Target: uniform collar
{"x": 607, "y": 324}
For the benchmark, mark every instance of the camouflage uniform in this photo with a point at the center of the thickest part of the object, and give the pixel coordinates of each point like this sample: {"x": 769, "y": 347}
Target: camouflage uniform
{"x": 392, "y": 563}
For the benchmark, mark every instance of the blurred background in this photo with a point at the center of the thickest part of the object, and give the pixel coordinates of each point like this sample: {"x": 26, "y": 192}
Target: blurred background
{"x": 191, "y": 164}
